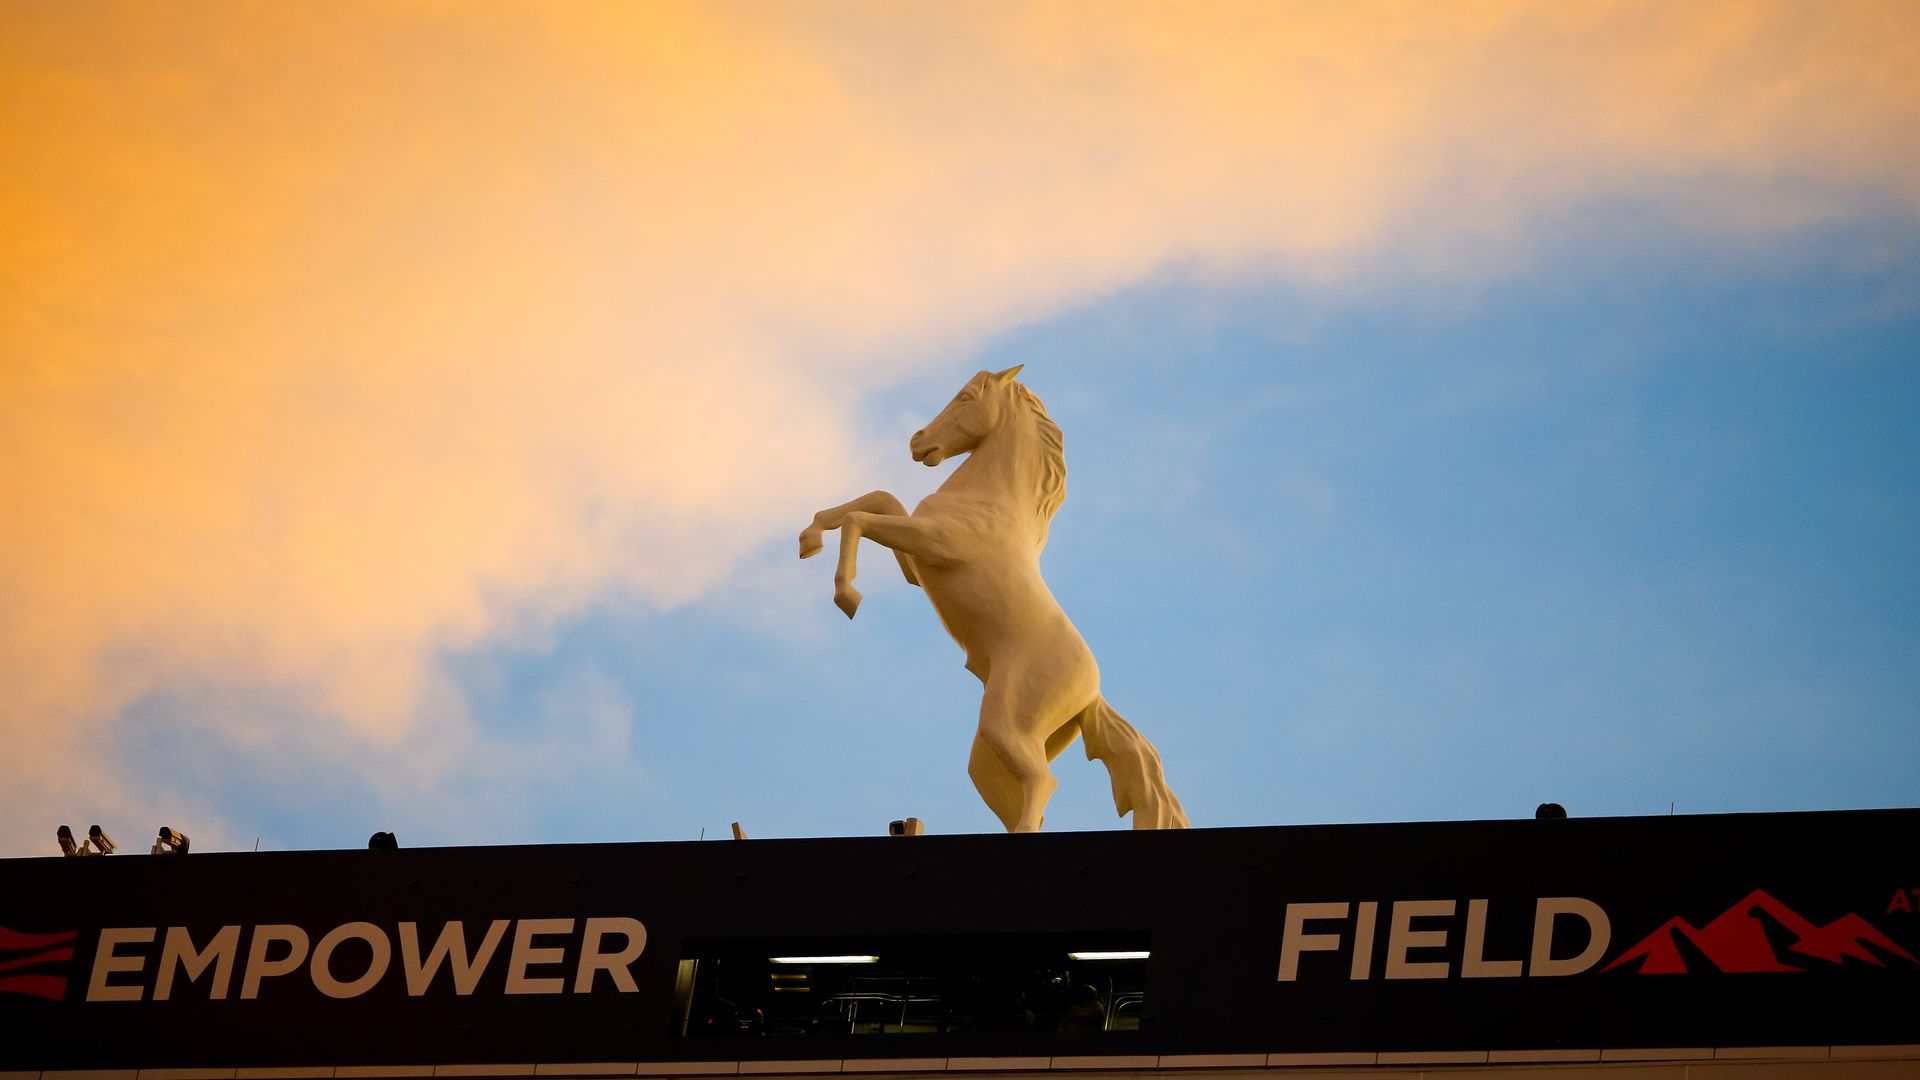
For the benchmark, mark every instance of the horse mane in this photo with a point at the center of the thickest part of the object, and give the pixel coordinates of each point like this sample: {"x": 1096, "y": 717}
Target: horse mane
{"x": 1053, "y": 473}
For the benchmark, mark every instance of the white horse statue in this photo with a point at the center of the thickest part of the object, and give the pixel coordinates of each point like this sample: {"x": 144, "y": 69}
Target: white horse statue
{"x": 974, "y": 546}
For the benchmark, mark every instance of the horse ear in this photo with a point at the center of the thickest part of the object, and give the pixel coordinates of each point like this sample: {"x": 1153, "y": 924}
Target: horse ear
{"x": 1004, "y": 377}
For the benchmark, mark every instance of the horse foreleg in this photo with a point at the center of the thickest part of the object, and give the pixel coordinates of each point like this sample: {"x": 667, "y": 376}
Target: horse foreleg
{"x": 907, "y": 536}
{"x": 873, "y": 502}
{"x": 845, "y": 596}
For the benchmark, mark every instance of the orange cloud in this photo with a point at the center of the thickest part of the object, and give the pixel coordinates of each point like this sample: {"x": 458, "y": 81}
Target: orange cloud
{"x": 332, "y": 337}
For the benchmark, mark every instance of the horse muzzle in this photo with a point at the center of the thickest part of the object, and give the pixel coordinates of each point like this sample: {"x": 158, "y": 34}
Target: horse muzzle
{"x": 928, "y": 455}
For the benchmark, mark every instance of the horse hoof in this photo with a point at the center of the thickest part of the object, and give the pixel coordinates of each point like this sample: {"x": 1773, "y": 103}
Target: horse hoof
{"x": 847, "y": 600}
{"x": 810, "y": 543}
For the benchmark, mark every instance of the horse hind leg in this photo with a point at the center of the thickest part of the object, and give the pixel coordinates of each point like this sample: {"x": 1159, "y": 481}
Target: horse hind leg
{"x": 1011, "y": 730}
{"x": 998, "y": 788}
{"x": 1026, "y": 761}
{"x": 1062, "y": 738}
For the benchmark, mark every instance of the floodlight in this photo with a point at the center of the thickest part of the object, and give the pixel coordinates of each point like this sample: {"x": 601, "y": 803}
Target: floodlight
{"x": 170, "y": 842}
{"x": 848, "y": 959}
{"x": 102, "y": 843}
{"x": 67, "y": 846}
{"x": 1129, "y": 954}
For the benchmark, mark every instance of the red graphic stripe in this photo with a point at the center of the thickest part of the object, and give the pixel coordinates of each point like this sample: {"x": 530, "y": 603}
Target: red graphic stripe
{"x": 13, "y": 939}
{"x": 37, "y": 958}
{"x": 51, "y": 987}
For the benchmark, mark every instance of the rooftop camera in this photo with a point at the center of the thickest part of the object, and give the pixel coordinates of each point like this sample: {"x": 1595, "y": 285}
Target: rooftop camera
{"x": 170, "y": 842}
{"x": 67, "y": 846}
{"x": 101, "y": 842}
{"x": 912, "y": 826}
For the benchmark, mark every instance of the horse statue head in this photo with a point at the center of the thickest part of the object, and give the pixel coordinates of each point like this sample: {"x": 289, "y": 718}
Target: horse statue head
{"x": 973, "y": 414}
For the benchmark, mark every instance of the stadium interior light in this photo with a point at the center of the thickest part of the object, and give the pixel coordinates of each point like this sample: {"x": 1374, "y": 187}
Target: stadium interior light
{"x": 846, "y": 959}
{"x": 1126, "y": 954}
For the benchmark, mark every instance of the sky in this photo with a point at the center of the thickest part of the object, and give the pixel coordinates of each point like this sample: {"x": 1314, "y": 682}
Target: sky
{"x": 408, "y": 410}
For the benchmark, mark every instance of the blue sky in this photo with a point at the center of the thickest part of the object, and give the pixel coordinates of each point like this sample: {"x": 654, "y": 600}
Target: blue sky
{"x": 410, "y": 412}
{"x": 1630, "y": 525}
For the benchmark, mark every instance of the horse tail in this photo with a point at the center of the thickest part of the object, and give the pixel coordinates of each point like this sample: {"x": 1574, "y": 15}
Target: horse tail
{"x": 1133, "y": 765}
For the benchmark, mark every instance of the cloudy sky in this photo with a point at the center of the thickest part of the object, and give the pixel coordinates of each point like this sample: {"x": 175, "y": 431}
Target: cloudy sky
{"x": 408, "y": 410}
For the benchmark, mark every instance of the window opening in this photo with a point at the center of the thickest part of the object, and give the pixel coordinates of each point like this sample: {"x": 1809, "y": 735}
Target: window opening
{"x": 913, "y": 985}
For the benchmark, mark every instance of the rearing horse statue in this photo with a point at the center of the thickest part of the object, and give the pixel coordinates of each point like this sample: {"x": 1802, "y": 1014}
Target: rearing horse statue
{"x": 974, "y": 546}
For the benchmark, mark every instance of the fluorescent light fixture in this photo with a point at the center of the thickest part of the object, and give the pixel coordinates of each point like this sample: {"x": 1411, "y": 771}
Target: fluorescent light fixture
{"x": 1140, "y": 954}
{"x": 823, "y": 959}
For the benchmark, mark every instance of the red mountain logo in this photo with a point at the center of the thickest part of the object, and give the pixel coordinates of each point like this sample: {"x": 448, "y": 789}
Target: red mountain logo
{"x": 39, "y": 949}
{"x": 1738, "y": 941}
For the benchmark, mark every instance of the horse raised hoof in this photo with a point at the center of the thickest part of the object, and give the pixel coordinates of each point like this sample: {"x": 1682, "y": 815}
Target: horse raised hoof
{"x": 810, "y": 542}
{"x": 847, "y": 599}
